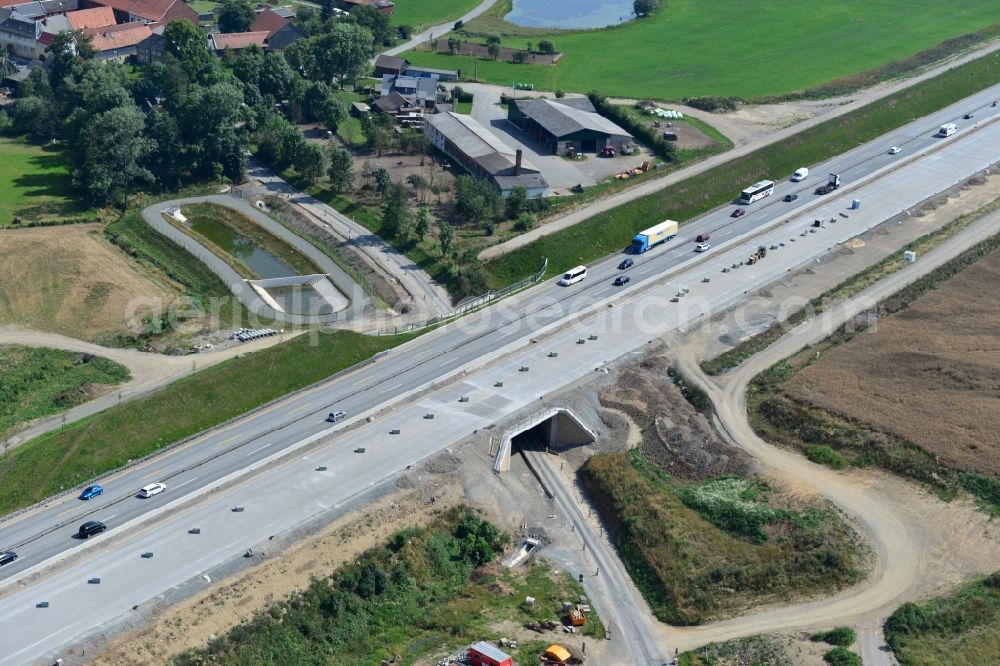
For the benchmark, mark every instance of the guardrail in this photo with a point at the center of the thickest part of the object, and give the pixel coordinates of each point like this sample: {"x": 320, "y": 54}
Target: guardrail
{"x": 467, "y": 307}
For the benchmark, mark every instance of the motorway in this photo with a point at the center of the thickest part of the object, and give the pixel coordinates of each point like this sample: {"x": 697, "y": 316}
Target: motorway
{"x": 294, "y": 492}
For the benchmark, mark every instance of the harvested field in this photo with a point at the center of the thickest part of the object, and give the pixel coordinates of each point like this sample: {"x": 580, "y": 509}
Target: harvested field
{"x": 71, "y": 280}
{"x": 929, "y": 374}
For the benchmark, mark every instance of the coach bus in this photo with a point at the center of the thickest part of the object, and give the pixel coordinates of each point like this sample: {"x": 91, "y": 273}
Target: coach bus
{"x": 757, "y": 191}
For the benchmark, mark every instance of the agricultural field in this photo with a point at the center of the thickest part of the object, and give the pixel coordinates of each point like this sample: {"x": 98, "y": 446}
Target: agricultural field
{"x": 916, "y": 395}
{"x": 39, "y": 382}
{"x": 80, "y": 451}
{"x": 703, "y": 536}
{"x": 960, "y": 629}
{"x": 684, "y": 50}
{"x": 927, "y": 374}
{"x": 35, "y": 184}
{"x": 425, "y": 591}
{"x": 606, "y": 232}
{"x": 71, "y": 280}
{"x": 422, "y": 14}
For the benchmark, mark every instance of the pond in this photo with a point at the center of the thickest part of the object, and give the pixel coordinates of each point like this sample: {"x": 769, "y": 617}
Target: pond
{"x": 568, "y": 14}
{"x": 260, "y": 261}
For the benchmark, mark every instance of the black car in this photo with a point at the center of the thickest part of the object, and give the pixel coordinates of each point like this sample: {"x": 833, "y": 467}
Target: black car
{"x": 90, "y": 528}
{"x": 968, "y": 116}
{"x": 622, "y": 279}
{"x": 791, "y": 197}
{"x": 7, "y": 557}
{"x": 627, "y": 263}
{"x": 738, "y": 213}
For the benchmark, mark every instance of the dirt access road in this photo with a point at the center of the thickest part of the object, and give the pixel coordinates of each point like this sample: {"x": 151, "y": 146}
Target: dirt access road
{"x": 149, "y": 372}
{"x": 765, "y": 134}
{"x": 921, "y": 546}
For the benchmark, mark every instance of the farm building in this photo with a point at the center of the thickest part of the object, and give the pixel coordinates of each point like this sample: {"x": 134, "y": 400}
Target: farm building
{"x": 431, "y": 73}
{"x": 482, "y": 153}
{"x": 487, "y": 654}
{"x": 279, "y": 28}
{"x": 391, "y": 65}
{"x": 567, "y": 123}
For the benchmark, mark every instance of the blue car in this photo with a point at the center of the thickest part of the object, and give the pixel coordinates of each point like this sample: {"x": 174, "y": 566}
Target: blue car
{"x": 91, "y": 491}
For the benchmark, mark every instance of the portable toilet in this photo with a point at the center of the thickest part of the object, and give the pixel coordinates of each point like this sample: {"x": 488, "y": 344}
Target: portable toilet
{"x": 856, "y": 204}
{"x": 909, "y": 256}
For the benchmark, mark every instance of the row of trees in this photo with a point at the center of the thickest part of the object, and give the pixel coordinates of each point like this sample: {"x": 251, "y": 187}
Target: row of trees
{"x": 190, "y": 117}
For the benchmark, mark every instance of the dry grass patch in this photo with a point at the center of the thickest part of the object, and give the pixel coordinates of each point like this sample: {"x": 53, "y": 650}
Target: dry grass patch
{"x": 70, "y": 280}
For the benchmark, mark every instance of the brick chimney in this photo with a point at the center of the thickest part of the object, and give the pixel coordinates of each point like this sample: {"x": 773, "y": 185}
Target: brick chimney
{"x": 517, "y": 162}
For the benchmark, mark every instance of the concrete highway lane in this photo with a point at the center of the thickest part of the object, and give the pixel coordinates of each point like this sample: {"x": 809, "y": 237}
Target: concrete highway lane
{"x": 45, "y": 532}
{"x": 293, "y": 491}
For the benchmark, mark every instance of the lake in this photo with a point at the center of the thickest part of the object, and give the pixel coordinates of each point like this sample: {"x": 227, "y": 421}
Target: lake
{"x": 260, "y": 261}
{"x": 567, "y": 14}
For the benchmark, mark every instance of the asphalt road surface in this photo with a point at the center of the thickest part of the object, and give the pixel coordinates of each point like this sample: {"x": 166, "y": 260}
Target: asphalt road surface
{"x": 293, "y": 491}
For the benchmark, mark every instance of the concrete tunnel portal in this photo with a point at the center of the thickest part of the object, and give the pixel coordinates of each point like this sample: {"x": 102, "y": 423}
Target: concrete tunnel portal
{"x": 554, "y": 428}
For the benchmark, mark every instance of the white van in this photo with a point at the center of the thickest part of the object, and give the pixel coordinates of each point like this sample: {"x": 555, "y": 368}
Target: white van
{"x": 573, "y": 275}
{"x": 947, "y": 129}
{"x": 800, "y": 174}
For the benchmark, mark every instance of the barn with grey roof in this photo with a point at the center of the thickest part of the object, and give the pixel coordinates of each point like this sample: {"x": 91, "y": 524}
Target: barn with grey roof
{"x": 482, "y": 153}
{"x": 571, "y": 122}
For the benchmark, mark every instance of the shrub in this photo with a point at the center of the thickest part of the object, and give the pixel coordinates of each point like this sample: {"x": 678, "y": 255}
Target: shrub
{"x": 546, "y": 46}
{"x": 693, "y": 394}
{"x": 822, "y": 454}
{"x": 839, "y": 656}
{"x": 525, "y": 222}
{"x": 714, "y": 103}
{"x": 842, "y": 636}
{"x": 458, "y": 25}
{"x": 730, "y": 504}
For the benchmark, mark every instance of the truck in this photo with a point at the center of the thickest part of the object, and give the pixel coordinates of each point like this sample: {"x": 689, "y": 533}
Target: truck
{"x": 947, "y": 129}
{"x": 832, "y": 183}
{"x": 758, "y": 255}
{"x": 653, "y": 236}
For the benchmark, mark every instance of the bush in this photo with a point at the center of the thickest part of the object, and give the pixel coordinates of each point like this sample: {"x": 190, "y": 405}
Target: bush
{"x": 822, "y": 454}
{"x": 560, "y": 94}
{"x": 525, "y": 223}
{"x": 839, "y": 656}
{"x": 714, "y": 103}
{"x": 546, "y": 46}
{"x": 731, "y": 504}
{"x": 842, "y": 636}
{"x": 458, "y": 25}
{"x": 693, "y": 394}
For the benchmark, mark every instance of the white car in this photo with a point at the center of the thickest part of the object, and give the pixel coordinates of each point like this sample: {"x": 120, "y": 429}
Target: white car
{"x": 702, "y": 247}
{"x": 152, "y": 489}
{"x": 894, "y": 150}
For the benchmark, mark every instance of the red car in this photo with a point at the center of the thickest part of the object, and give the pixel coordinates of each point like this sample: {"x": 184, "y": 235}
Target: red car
{"x": 702, "y": 238}
{"x": 739, "y": 212}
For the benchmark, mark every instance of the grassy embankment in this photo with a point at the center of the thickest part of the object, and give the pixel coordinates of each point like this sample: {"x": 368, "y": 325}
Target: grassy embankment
{"x": 77, "y": 452}
{"x": 240, "y": 225}
{"x": 35, "y": 185}
{"x": 700, "y": 551}
{"x": 423, "y": 592}
{"x": 960, "y": 629}
{"x": 39, "y": 382}
{"x": 611, "y": 231}
{"x": 685, "y": 51}
{"x": 823, "y": 436}
{"x": 203, "y": 288}
{"x": 843, "y": 291}
{"x": 423, "y": 14}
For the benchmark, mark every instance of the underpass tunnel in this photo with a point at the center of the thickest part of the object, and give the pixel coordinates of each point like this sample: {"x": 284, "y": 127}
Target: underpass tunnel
{"x": 555, "y": 429}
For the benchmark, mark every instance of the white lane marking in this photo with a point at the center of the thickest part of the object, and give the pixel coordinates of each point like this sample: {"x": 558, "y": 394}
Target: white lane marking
{"x": 392, "y": 388}
{"x": 185, "y": 483}
{"x": 257, "y": 449}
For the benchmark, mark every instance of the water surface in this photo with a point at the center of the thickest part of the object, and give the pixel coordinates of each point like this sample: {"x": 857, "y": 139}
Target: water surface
{"x": 257, "y": 259}
{"x": 568, "y": 14}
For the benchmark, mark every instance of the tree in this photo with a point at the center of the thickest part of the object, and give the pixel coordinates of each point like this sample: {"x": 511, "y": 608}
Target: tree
{"x": 166, "y": 162}
{"x": 65, "y": 52}
{"x": 434, "y": 43}
{"x": 378, "y": 130}
{"x": 531, "y": 47}
{"x": 382, "y": 180}
{"x": 310, "y": 162}
{"x": 645, "y": 7}
{"x": 494, "y": 49}
{"x": 114, "y": 148}
{"x": 492, "y": 39}
{"x": 379, "y": 25}
{"x": 424, "y": 222}
{"x": 417, "y": 182}
{"x": 322, "y": 106}
{"x": 516, "y": 201}
{"x": 454, "y": 45}
{"x": 521, "y": 57}
{"x": 36, "y": 117}
{"x": 340, "y": 55}
{"x": 341, "y": 170}
{"x": 188, "y": 43}
{"x": 276, "y": 76}
{"x": 279, "y": 142}
{"x": 396, "y": 214}
{"x": 236, "y": 16}
{"x": 477, "y": 200}
{"x": 546, "y": 46}
{"x": 446, "y": 234}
